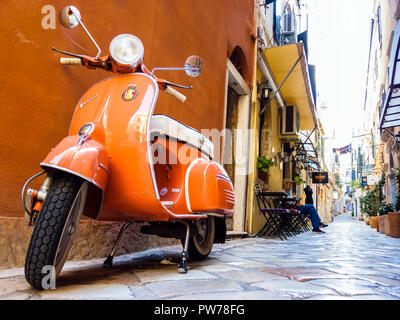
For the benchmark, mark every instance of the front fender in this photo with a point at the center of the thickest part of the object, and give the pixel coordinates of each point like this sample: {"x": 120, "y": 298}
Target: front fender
{"x": 88, "y": 161}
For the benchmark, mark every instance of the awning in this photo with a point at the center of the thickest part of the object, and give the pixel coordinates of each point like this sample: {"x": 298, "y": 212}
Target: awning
{"x": 306, "y": 153}
{"x": 296, "y": 90}
{"x": 390, "y": 115}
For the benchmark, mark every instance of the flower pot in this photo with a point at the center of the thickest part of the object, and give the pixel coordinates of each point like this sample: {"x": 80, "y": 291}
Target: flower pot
{"x": 387, "y": 224}
{"x": 381, "y": 224}
{"x": 264, "y": 176}
{"x": 394, "y": 222}
{"x": 374, "y": 222}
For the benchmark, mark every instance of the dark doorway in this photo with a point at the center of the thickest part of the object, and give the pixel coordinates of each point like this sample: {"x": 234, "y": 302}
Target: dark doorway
{"x": 231, "y": 125}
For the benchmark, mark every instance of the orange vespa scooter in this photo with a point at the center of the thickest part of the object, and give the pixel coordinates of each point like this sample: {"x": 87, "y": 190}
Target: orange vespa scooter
{"x": 120, "y": 162}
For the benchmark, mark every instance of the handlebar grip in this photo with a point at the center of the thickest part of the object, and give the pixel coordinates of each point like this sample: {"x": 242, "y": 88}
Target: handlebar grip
{"x": 72, "y": 61}
{"x": 176, "y": 94}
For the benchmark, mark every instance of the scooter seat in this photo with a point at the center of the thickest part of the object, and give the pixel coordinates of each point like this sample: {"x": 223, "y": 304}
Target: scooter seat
{"x": 161, "y": 124}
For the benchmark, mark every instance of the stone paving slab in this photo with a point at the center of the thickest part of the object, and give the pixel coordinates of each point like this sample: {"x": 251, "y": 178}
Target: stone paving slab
{"x": 170, "y": 274}
{"x": 249, "y": 276}
{"x": 171, "y": 289}
{"x": 302, "y": 274}
{"x": 241, "y": 295}
{"x": 293, "y": 289}
{"x": 346, "y": 287}
{"x": 379, "y": 280}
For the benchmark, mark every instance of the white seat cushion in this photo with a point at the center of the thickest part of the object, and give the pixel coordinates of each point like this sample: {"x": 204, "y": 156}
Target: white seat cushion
{"x": 161, "y": 124}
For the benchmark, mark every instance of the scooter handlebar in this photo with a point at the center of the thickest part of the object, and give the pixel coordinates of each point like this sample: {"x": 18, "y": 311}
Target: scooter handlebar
{"x": 71, "y": 61}
{"x": 176, "y": 94}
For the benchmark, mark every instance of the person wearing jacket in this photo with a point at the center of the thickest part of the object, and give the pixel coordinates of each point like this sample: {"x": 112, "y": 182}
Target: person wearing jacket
{"x": 307, "y": 209}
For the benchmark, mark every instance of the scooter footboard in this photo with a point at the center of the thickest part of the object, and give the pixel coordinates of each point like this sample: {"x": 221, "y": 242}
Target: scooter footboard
{"x": 208, "y": 188}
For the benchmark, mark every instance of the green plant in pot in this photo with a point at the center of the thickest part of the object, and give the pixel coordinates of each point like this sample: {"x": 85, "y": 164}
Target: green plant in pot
{"x": 385, "y": 209}
{"x": 370, "y": 202}
{"x": 263, "y": 165}
{"x": 297, "y": 176}
{"x": 398, "y": 189}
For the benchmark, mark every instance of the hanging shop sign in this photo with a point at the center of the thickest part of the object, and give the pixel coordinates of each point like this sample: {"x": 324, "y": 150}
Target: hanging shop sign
{"x": 364, "y": 181}
{"x": 319, "y": 177}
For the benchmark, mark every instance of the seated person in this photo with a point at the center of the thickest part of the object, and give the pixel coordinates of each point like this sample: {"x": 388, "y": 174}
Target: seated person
{"x": 307, "y": 210}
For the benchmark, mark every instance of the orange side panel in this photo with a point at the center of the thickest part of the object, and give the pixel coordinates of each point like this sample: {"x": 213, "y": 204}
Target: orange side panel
{"x": 209, "y": 188}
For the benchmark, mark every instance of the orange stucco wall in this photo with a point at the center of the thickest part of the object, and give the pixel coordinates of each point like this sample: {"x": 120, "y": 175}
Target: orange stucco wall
{"x": 38, "y": 95}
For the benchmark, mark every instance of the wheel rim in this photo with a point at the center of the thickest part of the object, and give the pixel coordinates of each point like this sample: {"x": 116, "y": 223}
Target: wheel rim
{"x": 70, "y": 227}
{"x": 203, "y": 232}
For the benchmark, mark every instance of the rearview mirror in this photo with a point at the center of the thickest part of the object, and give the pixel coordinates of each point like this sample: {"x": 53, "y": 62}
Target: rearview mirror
{"x": 193, "y": 66}
{"x": 68, "y": 17}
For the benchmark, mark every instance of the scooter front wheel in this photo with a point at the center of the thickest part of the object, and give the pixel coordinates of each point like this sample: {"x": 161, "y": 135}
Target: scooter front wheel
{"x": 55, "y": 229}
{"x": 200, "y": 245}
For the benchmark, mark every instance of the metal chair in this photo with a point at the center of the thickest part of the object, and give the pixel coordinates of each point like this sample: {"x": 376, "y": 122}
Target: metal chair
{"x": 282, "y": 217}
{"x": 276, "y": 219}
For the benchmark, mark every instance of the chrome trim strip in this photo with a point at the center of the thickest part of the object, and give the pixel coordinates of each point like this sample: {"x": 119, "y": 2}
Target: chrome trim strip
{"x": 187, "y": 183}
{"x": 229, "y": 198}
{"x": 216, "y": 215}
{"x": 184, "y": 216}
{"x": 223, "y": 177}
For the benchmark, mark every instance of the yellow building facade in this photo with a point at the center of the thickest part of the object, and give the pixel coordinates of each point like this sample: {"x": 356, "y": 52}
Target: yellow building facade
{"x": 282, "y": 79}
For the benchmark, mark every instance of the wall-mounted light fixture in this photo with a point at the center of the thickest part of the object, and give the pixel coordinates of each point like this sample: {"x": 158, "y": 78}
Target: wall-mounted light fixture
{"x": 266, "y": 91}
{"x": 397, "y": 137}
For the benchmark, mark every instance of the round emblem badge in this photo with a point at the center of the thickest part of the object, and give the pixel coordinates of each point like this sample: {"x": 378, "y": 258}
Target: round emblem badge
{"x": 130, "y": 93}
{"x": 163, "y": 191}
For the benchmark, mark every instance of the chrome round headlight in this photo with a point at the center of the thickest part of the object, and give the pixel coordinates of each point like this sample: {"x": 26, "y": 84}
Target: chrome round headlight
{"x": 126, "y": 50}
{"x": 86, "y": 129}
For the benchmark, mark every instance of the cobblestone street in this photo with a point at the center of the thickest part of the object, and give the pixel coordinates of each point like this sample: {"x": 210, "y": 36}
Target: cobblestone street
{"x": 350, "y": 261}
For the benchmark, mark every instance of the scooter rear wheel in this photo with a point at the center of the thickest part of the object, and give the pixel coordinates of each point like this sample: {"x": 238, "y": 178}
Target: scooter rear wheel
{"x": 200, "y": 245}
{"x": 55, "y": 228}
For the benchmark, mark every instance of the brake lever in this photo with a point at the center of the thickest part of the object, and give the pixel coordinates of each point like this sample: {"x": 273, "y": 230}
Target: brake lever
{"x": 178, "y": 85}
{"x": 68, "y": 53}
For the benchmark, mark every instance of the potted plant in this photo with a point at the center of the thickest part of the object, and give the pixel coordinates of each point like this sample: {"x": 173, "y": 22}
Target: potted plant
{"x": 382, "y": 207}
{"x": 369, "y": 204}
{"x": 393, "y": 218}
{"x": 263, "y": 165}
{"x": 297, "y": 176}
{"x": 384, "y": 226}
{"x": 398, "y": 189}
{"x": 394, "y": 224}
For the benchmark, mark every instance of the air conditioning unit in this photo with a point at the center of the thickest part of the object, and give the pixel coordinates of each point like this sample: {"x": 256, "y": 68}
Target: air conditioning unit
{"x": 289, "y": 24}
{"x": 290, "y": 121}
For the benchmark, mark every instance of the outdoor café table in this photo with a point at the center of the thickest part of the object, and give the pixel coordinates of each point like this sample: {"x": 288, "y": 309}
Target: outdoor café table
{"x": 280, "y": 199}
{"x": 293, "y": 221}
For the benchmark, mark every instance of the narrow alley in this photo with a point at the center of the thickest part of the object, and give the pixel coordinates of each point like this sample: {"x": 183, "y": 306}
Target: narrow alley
{"x": 349, "y": 261}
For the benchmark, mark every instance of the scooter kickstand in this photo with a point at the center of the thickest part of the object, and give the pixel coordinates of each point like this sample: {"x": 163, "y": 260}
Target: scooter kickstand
{"x": 109, "y": 261}
{"x": 182, "y": 268}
